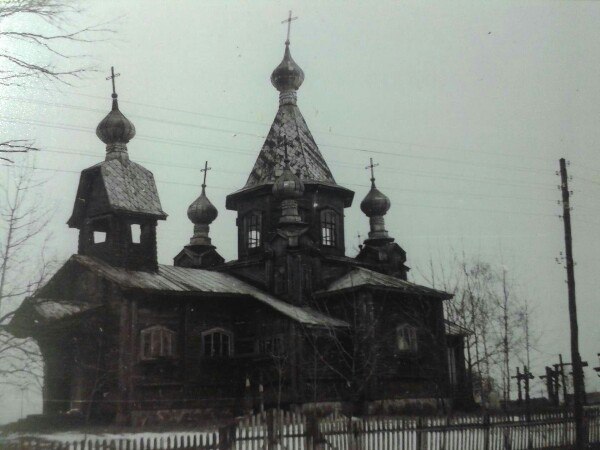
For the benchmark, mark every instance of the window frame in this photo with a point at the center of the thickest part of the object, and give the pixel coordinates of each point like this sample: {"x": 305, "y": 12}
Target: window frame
{"x": 252, "y": 228}
{"x": 157, "y": 342}
{"x": 410, "y": 334}
{"x": 452, "y": 365}
{"x": 221, "y": 332}
{"x": 271, "y": 345}
{"x": 329, "y": 238}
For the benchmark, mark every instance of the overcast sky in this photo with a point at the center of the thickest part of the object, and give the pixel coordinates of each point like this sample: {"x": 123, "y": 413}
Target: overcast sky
{"x": 466, "y": 106}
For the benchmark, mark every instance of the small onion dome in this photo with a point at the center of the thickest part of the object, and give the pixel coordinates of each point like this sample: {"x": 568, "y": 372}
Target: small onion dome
{"x": 288, "y": 185}
{"x": 115, "y": 128}
{"x": 287, "y": 76}
{"x": 202, "y": 211}
{"x": 375, "y": 203}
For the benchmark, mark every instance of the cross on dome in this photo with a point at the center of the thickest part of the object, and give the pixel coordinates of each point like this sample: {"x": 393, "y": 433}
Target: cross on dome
{"x": 112, "y": 77}
{"x": 205, "y": 170}
{"x": 289, "y": 25}
{"x": 372, "y": 166}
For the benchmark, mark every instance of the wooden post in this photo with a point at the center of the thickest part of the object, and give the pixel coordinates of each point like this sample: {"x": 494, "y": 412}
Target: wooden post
{"x": 486, "y": 431}
{"x": 518, "y": 377}
{"x": 527, "y": 375}
{"x": 226, "y": 437}
{"x": 575, "y": 356}
{"x": 422, "y": 437}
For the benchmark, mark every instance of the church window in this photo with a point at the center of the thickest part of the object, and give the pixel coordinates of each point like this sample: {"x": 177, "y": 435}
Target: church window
{"x": 217, "y": 342}
{"x": 329, "y": 223}
{"x": 452, "y": 375}
{"x": 270, "y": 345}
{"x": 406, "y": 338}
{"x": 252, "y": 225}
{"x": 157, "y": 342}
{"x": 136, "y": 233}
{"x": 99, "y": 237}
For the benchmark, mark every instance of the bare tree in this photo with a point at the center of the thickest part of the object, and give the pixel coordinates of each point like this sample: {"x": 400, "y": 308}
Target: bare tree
{"x": 45, "y": 31}
{"x": 486, "y": 304}
{"x": 24, "y": 266}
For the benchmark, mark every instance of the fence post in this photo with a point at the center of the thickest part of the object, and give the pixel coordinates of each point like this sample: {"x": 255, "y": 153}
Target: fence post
{"x": 422, "y": 443}
{"x": 226, "y": 437}
{"x": 354, "y": 441}
{"x": 486, "y": 431}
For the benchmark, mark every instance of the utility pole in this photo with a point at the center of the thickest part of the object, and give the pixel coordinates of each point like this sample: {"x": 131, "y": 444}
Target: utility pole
{"x": 580, "y": 433}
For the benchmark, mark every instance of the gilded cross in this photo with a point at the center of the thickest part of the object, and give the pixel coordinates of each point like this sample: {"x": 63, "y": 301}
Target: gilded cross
{"x": 205, "y": 170}
{"x": 289, "y": 22}
{"x": 372, "y": 166}
{"x": 112, "y": 77}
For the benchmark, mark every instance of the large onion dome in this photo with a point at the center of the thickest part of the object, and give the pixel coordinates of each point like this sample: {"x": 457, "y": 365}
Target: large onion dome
{"x": 375, "y": 203}
{"x": 115, "y": 128}
{"x": 202, "y": 211}
{"x": 287, "y": 76}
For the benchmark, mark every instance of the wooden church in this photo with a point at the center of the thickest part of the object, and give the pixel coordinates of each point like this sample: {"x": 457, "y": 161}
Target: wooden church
{"x": 293, "y": 322}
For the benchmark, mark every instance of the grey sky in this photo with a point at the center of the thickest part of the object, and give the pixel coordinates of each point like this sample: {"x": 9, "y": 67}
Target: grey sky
{"x": 466, "y": 106}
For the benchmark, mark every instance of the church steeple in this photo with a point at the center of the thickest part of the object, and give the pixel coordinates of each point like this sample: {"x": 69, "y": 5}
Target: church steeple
{"x": 200, "y": 253}
{"x": 380, "y": 249}
{"x": 289, "y": 156}
{"x": 375, "y": 205}
{"x": 117, "y": 205}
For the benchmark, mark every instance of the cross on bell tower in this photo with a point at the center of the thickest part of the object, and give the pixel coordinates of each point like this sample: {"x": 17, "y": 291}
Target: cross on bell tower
{"x": 112, "y": 77}
{"x": 289, "y": 25}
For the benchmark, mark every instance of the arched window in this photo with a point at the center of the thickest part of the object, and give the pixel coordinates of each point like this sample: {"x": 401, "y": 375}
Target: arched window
{"x": 329, "y": 224}
{"x": 157, "y": 342}
{"x": 252, "y": 225}
{"x": 217, "y": 342}
{"x": 406, "y": 338}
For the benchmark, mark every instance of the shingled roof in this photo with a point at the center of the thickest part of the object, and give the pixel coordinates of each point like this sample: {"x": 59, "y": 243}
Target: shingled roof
{"x": 128, "y": 187}
{"x": 305, "y": 158}
{"x": 172, "y": 279}
{"x": 361, "y": 277}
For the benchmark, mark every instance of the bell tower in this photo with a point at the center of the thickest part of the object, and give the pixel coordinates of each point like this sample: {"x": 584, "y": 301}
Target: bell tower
{"x": 117, "y": 207}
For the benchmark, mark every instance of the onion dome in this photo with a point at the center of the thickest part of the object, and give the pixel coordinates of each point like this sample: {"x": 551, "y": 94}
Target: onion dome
{"x": 375, "y": 203}
{"x": 288, "y": 185}
{"x": 287, "y": 76}
{"x": 115, "y": 128}
{"x": 202, "y": 211}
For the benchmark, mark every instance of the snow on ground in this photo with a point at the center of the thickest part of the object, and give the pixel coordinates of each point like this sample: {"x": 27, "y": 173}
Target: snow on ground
{"x": 78, "y": 436}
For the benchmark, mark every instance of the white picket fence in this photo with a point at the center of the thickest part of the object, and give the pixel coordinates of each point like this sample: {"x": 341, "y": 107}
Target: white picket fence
{"x": 275, "y": 430}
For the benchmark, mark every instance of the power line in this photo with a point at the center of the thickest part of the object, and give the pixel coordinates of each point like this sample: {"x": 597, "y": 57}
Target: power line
{"x": 417, "y": 191}
{"x": 232, "y": 189}
{"x": 316, "y": 130}
{"x": 260, "y": 136}
{"x": 188, "y": 144}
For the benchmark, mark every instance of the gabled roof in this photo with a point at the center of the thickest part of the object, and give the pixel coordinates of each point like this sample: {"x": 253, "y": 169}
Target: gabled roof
{"x": 305, "y": 158}
{"x": 454, "y": 329}
{"x": 361, "y": 277}
{"x": 171, "y": 279}
{"x": 129, "y": 188}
